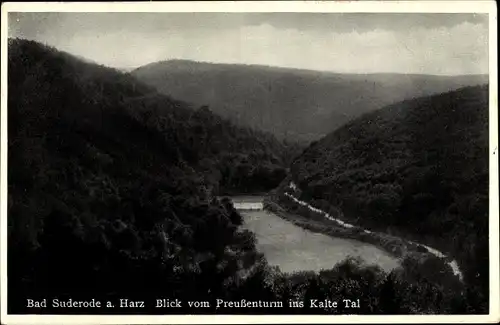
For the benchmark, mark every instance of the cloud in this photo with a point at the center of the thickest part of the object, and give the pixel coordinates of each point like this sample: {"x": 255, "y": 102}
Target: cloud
{"x": 458, "y": 48}
{"x": 462, "y": 49}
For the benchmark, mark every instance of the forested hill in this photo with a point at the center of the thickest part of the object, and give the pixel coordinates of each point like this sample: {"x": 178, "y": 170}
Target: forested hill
{"x": 293, "y": 104}
{"x": 114, "y": 104}
{"x": 418, "y": 168}
{"x": 110, "y": 183}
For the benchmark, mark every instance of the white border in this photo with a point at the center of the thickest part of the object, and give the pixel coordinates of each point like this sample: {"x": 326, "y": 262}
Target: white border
{"x": 263, "y": 6}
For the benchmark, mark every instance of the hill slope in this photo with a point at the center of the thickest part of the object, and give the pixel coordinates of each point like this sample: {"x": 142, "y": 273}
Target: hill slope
{"x": 293, "y": 104}
{"x": 110, "y": 181}
{"x": 418, "y": 168}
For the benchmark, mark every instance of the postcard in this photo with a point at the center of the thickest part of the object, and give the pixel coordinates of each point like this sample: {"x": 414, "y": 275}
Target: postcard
{"x": 249, "y": 162}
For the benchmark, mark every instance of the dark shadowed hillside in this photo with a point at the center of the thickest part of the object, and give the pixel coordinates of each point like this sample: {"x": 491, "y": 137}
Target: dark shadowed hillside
{"x": 418, "y": 169}
{"x": 113, "y": 184}
{"x": 293, "y": 104}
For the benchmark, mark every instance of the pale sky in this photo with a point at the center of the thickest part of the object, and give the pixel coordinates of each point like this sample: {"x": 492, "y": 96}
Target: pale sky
{"x": 442, "y": 44}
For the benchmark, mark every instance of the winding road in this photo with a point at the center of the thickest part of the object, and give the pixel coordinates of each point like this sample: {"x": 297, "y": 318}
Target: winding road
{"x": 452, "y": 264}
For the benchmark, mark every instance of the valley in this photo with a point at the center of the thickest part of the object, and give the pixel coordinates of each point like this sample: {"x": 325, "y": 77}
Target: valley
{"x": 388, "y": 203}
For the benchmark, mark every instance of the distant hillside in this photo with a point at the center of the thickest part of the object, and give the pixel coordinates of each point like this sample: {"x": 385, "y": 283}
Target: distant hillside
{"x": 293, "y": 104}
{"x": 418, "y": 168}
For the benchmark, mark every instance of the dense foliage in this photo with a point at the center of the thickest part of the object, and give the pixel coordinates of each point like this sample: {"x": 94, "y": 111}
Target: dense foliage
{"x": 111, "y": 186}
{"x": 418, "y": 169}
{"x": 292, "y": 104}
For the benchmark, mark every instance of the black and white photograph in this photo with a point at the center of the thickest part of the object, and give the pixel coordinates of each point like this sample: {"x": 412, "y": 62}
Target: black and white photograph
{"x": 232, "y": 160}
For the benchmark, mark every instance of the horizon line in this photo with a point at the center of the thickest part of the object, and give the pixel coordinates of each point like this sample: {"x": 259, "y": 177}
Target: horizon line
{"x": 255, "y": 65}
